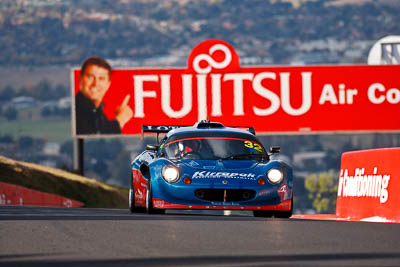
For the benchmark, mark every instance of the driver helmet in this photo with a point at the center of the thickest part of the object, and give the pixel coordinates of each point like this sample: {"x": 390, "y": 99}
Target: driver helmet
{"x": 193, "y": 145}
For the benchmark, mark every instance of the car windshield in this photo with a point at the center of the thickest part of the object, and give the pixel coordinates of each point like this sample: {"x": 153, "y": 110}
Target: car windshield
{"x": 212, "y": 148}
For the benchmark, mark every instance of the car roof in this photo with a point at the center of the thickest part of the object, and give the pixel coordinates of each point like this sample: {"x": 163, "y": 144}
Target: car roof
{"x": 203, "y": 130}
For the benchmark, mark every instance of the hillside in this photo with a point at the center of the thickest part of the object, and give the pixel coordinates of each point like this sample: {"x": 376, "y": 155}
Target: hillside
{"x": 89, "y": 191}
{"x": 136, "y": 32}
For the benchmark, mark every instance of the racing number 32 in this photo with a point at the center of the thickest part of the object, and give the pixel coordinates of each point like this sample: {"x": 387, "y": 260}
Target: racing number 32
{"x": 253, "y": 145}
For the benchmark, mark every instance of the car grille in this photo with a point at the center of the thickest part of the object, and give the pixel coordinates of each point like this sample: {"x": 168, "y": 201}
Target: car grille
{"x": 225, "y": 195}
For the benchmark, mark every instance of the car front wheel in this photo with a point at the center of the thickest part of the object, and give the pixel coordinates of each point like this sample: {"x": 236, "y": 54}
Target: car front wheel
{"x": 285, "y": 214}
{"x": 132, "y": 207}
{"x": 276, "y": 214}
{"x": 149, "y": 202}
{"x": 263, "y": 213}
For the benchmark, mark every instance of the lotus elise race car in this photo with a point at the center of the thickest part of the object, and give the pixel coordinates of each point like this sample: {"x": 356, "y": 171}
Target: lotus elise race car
{"x": 210, "y": 166}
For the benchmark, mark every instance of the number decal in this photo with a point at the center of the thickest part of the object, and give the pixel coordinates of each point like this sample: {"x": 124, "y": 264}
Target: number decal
{"x": 248, "y": 144}
{"x": 258, "y": 147}
{"x": 253, "y": 145}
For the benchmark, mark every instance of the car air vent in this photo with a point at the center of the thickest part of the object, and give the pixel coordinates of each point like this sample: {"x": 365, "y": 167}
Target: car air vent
{"x": 208, "y": 124}
{"x": 225, "y": 195}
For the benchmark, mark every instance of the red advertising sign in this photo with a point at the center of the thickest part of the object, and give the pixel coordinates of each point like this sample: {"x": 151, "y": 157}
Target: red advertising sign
{"x": 368, "y": 185}
{"x": 18, "y": 195}
{"x": 274, "y": 100}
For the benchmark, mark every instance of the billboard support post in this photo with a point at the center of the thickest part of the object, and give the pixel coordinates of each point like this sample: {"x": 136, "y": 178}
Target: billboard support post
{"x": 78, "y": 155}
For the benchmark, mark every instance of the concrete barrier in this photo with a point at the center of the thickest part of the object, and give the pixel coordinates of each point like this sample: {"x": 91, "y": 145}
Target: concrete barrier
{"x": 17, "y": 195}
{"x": 369, "y": 186}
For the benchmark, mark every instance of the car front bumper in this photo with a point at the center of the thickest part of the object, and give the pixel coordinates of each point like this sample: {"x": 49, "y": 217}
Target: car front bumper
{"x": 182, "y": 196}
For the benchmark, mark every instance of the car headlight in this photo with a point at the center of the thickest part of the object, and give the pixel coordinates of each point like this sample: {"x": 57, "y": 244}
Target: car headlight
{"x": 275, "y": 176}
{"x": 170, "y": 174}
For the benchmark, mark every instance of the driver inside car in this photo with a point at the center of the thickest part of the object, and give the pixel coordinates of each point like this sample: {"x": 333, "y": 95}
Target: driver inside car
{"x": 189, "y": 148}
{"x": 192, "y": 146}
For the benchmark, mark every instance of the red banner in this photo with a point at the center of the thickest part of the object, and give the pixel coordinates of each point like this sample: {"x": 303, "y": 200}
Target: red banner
{"x": 271, "y": 99}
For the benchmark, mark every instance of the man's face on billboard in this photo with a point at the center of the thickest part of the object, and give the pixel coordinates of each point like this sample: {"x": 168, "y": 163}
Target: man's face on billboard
{"x": 95, "y": 83}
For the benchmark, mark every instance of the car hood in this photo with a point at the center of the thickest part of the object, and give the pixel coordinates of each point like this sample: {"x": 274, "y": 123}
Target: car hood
{"x": 219, "y": 165}
{"x": 221, "y": 172}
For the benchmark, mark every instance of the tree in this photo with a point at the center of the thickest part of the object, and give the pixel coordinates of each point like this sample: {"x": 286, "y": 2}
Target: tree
{"x": 60, "y": 91}
{"x": 7, "y": 93}
{"x": 121, "y": 169}
{"x": 322, "y": 190}
{"x": 67, "y": 148}
{"x": 43, "y": 91}
{"x": 101, "y": 169}
{"x": 11, "y": 113}
{"x": 6, "y": 139}
{"x": 25, "y": 143}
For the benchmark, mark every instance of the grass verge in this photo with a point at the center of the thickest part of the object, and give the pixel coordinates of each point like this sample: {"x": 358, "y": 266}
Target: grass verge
{"x": 52, "y": 129}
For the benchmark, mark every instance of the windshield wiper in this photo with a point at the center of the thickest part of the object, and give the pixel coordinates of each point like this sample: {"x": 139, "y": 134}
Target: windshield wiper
{"x": 247, "y": 155}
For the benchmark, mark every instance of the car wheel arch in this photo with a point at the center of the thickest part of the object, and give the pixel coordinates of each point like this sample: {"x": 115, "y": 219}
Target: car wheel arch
{"x": 145, "y": 170}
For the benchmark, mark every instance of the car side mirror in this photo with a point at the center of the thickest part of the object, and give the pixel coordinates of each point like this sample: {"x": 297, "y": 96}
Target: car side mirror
{"x": 275, "y": 149}
{"x": 152, "y": 147}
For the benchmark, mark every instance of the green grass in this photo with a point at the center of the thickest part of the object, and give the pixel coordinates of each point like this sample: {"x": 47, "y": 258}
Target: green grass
{"x": 52, "y": 130}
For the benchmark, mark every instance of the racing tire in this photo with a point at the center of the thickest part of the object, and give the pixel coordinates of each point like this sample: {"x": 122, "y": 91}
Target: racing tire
{"x": 285, "y": 214}
{"x": 263, "y": 213}
{"x": 276, "y": 214}
{"x": 131, "y": 201}
{"x": 132, "y": 207}
{"x": 149, "y": 202}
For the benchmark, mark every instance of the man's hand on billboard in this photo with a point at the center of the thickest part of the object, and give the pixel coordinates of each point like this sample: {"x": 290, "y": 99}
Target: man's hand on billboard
{"x": 123, "y": 113}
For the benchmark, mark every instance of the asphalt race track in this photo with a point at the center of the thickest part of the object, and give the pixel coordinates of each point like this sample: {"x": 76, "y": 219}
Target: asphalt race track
{"x": 32, "y": 236}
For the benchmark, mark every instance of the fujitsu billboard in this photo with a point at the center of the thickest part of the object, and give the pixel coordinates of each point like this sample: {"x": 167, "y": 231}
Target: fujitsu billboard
{"x": 272, "y": 99}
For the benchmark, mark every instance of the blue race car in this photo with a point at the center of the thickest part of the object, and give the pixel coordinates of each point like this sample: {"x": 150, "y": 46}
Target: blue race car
{"x": 210, "y": 166}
